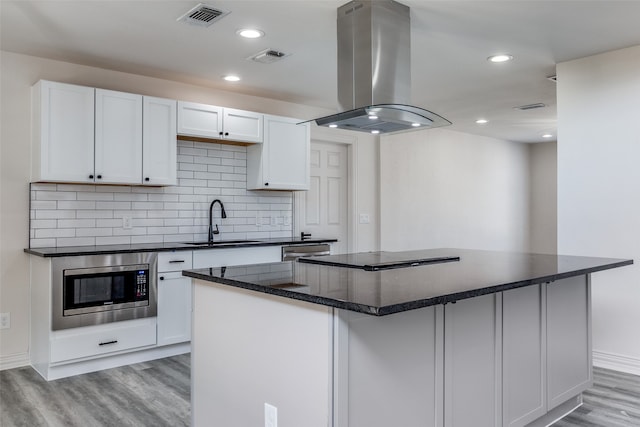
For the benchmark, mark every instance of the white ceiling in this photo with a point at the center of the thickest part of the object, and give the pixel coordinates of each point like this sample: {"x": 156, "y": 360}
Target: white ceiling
{"x": 450, "y": 43}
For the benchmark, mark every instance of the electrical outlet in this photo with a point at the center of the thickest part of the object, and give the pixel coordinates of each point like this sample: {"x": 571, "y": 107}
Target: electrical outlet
{"x": 364, "y": 218}
{"x": 5, "y": 320}
{"x": 270, "y": 415}
{"x": 126, "y": 222}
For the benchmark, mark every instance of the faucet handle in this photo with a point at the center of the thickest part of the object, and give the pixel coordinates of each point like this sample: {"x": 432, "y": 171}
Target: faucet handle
{"x": 216, "y": 231}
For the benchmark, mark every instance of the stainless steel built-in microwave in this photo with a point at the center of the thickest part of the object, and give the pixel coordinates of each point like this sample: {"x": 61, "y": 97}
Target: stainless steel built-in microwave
{"x": 91, "y": 290}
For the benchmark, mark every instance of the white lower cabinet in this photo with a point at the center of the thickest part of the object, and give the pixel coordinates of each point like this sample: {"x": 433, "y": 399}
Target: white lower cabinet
{"x": 524, "y": 355}
{"x": 174, "y": 308}
{"x": 91, "y": 341}
{"x": 174, "y": 298}
{"x": 472, "y": 362}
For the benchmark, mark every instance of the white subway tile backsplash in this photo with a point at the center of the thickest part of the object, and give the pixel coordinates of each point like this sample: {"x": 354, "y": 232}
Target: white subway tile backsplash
{"x": 79, "y": 214}
{"x": 113, "y": 240}
{"x": 146, "y": 239}
{"x": 93, "y": 232}
{"x": 130, "y": 197}
{"x": 55, "y": 195}
{"x": 147, "y": 205}
{"x": 77, "y": 205}
{"x": 76, "y": 241}
{"x": 43, "y": 233}
{"x": 76, "y": 223}
{"x": 95, "y": 196}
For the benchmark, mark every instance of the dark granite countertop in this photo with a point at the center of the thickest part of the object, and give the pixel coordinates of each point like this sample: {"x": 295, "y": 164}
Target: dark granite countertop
{"x": 395, "y": 290}
{"x": 164, "y": 247}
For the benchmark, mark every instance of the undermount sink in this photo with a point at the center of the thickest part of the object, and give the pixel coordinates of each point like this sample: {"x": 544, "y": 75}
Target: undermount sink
{"x": 221, "y": 242}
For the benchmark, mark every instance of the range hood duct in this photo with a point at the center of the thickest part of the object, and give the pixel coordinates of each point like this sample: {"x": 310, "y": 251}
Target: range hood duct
{"x": 374, "y": 70}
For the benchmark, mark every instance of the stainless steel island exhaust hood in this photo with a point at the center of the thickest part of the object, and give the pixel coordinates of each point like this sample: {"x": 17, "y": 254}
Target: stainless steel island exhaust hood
{"x": 374, "y": 70}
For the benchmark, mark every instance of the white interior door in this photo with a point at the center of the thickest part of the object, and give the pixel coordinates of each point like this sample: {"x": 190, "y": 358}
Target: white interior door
{"x": 323, "y": 209}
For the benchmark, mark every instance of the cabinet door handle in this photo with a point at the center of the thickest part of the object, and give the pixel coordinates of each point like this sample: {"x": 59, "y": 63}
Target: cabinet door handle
{"x": 266, "y": 183}
{"x": 99, "y": 177}
{"x": 161, "y": 277}
{"x": 108, "y": 342}
{"x": 221, "y": 133}
{"x": 175, "y": 261}
{"x": 90, "y": 176}
{"x": 226, "y": 134}
{"x": 147, "y": 179}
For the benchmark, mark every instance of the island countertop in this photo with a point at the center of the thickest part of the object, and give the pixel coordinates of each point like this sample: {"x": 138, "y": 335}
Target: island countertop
{"x": 386, "y": 291}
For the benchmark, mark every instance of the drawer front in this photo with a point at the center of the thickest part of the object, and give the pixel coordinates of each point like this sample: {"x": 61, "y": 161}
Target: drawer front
{"x": 175, "y": 261}
{"x": 99, "y": 340}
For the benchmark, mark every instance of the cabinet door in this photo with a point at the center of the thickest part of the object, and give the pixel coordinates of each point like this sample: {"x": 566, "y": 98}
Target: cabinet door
{"x": 63, "y": 126}
{"x": 159, "y": 145}
{"x": 568, "y": 339}
{"x": 242, "y": 125}
{"x": 472, "y": 362}
{"x": 118, "y": 142}
{"x": 523, "y": 355}
{"x": 285, "y": 154}
{"x": 199, "y": 120}
{"x": 174, "y": 308}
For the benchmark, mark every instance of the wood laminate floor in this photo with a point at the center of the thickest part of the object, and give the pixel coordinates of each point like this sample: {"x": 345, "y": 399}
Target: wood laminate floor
{"x": 157, "y": 393}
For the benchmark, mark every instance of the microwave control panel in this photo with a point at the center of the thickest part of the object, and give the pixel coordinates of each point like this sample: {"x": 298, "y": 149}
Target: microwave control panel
{"x": 142, "y": 284}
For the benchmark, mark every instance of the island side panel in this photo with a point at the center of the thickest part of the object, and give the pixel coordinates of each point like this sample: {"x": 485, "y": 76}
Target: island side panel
{"x": 249, "y": 349}
{"x": 388, "y": 369}
{"x": 569, "y": 363}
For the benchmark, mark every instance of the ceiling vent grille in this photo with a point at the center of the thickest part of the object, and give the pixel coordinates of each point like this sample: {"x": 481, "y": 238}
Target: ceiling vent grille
{"x": 530, "y": 106}
{"x": 268, "y": 56}
{"x": 203, "y": 15}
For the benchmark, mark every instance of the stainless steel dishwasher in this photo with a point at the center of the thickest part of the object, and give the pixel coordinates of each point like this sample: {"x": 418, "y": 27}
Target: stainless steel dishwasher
{"x": 291, "y": 253}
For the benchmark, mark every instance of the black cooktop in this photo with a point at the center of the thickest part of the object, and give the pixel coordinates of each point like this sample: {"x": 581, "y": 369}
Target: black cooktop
{"x": 375, "y": 261}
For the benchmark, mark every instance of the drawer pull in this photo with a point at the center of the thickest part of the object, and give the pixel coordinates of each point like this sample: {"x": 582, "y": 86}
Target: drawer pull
{"x": 108, "y": 342}
{"x": 175, "y": 261}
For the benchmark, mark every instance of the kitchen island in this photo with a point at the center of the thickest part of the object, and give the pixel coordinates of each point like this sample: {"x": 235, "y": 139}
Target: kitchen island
{"x": 444, "y": 337}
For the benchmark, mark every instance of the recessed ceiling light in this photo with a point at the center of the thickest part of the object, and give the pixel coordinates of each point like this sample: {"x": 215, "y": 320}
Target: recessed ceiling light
{"x": 333, "y": 125}
{"x": 547, "y": 135}
{"x": 231, "y": 78}
{"x": 415, "y": 125}
{"x": 375, "y": 132}
{"x": 482, "y": 121}
{"x": 250, "y": 33}
{"x": 503, "y": 57}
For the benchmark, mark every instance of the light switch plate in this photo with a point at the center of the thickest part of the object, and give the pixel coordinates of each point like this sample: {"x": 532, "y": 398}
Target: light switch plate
{"x": 5, "y": 320}
{"x": 364, "y": 218}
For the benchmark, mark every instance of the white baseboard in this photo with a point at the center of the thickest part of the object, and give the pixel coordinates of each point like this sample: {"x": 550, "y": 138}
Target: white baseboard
{"x": 616, "y": 362}
{"x": 14, "y": 361}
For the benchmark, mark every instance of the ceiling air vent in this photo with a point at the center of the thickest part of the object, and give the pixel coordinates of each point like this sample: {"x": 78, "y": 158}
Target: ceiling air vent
{"x": 268, "y": 56}
{"x": 530, "y": 106}
{"x": 203, "y": 15}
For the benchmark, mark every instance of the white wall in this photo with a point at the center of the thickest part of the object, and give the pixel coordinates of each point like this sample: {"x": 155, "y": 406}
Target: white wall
{"x": 543, "y": 202}
{"x": 440, "y": 188}
{"x": 599, "y": 191}
{"x": 18, "y": 73}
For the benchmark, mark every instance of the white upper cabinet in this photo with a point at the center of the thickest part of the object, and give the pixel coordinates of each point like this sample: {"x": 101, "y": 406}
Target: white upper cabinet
{"x": 242, "y": 125}
{"x": 210, "y": 121}
{"x": 159, "y": 148}
{"x": 63, "y": 127}
{"x": 86, "y": 135}
{"x": 282, "y": 161}
{"x": 118, "y": 142}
